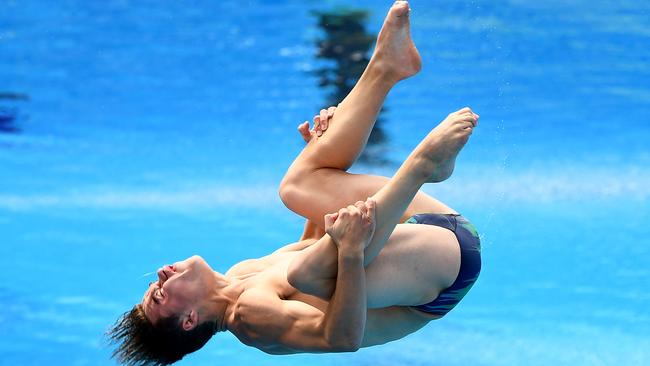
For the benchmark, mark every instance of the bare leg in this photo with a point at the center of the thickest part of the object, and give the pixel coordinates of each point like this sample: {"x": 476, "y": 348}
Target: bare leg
{"x": 317, "y": 184}
{"x": 314, "y": 268}
{"x": 313, "y": 184}
{"x": 395, "y": 58}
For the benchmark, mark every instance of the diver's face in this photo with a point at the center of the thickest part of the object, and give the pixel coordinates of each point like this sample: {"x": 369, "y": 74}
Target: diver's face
{"x": 180, "y": 287}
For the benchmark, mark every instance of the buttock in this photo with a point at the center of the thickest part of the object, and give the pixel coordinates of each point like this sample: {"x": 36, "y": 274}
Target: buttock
{"x": 470, "y": 260}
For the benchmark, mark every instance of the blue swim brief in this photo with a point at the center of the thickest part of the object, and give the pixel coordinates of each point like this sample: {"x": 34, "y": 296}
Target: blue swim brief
{"x": 470, "y": 260}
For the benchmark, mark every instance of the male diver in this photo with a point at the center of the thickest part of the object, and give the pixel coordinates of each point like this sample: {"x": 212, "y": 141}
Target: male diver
{"x": 378, "y": 259}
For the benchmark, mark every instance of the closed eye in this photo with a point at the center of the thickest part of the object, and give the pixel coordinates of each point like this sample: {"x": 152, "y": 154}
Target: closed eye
{"x": 155, "y": 294}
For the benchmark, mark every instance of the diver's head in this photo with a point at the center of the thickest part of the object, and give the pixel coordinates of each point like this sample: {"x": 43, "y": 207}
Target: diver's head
{"x": 175, "y": 317}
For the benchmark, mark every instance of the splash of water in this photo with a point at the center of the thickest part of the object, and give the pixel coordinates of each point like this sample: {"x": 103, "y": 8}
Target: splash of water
{"x": 148, "y": 274}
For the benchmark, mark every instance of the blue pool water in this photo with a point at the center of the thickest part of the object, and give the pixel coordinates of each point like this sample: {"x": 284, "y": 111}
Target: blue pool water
{"x": 155, "y": 131}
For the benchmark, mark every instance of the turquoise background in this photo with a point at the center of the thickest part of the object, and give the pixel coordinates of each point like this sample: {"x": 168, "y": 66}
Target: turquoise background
{"x": 156, "y": 130}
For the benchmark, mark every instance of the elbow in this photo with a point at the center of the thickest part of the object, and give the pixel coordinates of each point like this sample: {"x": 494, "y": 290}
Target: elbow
{"x": 346, "y": 346}
{"x": 300, "y": 277}
{"x": 344, "y": 343}
{"x": 350, "y": 347}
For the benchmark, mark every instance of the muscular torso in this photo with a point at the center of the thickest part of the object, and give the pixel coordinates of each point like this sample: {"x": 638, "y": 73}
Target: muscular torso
{"x": 268, "y": 275}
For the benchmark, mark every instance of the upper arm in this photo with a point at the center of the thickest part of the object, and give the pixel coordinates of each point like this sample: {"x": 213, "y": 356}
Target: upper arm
{"x": 306, "y": 332}
{"x": 286, "y": 326}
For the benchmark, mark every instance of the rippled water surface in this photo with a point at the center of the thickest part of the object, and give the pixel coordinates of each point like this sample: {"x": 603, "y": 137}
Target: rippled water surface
{"x": 154, "y": 131}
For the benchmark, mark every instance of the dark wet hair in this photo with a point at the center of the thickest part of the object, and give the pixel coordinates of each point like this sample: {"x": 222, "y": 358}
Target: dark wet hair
{"x": 141, "y": 343}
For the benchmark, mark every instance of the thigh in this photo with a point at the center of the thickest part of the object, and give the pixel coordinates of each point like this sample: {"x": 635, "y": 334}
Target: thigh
{"x": 417, "y": 263}
{"x": 327, "y": 190}
{"x": 391, "y": 323}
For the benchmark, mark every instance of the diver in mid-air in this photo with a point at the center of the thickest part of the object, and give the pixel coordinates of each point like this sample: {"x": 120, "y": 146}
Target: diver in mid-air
{"x": 378, "y": 259}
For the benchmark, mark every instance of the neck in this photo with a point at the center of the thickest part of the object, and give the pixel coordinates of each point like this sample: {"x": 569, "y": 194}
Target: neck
{"x": 223, "y": 298}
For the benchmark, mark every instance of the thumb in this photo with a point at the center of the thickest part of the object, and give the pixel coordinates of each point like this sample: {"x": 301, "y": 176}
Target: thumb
{"x": 330, "y": 219}
{"x": 303, "y": 129}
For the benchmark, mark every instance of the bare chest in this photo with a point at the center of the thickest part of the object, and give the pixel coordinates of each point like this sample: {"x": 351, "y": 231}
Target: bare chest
{"x": 270, "y": 275}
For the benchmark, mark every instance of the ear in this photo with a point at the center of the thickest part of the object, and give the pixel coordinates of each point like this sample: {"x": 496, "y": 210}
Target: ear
{"x": 190, "y": 320}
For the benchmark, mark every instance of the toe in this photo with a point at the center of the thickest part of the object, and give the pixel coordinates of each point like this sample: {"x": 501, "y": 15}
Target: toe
{"x": 400, "y": 8}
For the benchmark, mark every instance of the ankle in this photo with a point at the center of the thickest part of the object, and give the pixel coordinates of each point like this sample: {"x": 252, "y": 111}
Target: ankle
{"x": 420, "y": 167}
{"x": 380, "y": 71}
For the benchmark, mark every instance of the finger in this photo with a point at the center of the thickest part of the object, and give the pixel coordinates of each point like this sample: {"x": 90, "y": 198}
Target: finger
{"x": 303, "y": 128}
{"x": 361, "y": 206}
{"x": 329, "y": 220}
{"x": 334, "y": 216}
{"x": 464, "y": 110}
{"x": 372, "y": 208}
{"x": 317, "y": 122}
{"x": 323, "y": 115}
{"x": 330, "y": 115}
{"x": 353, "y": 210}
{"x": 323, "y": 120}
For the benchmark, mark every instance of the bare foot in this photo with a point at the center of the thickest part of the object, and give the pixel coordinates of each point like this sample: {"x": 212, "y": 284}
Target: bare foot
{"x": 395, "y": 51}
{"x": 441, "y": 146}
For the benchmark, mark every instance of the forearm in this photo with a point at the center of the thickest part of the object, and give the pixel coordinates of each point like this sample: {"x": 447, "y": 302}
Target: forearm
{"x": 345, "y": 319}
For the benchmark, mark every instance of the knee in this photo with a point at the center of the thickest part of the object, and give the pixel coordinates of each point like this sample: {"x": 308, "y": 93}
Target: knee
{"x": 297, "y": 277}
{"x": 291, "y": 189}
{"x": 304, "y": 280}
{"x": 287, "y": 192}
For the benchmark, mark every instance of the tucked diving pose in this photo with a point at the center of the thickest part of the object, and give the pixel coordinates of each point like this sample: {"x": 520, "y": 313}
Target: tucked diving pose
{"x": 378, "y": 259}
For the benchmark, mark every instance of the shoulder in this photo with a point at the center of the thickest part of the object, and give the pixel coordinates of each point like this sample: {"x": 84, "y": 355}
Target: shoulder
{"x": 244, "y": 267}
{"x": 259, "y": 264}
{"x": 278, "y": 326}
{"x": 260, "y": 318}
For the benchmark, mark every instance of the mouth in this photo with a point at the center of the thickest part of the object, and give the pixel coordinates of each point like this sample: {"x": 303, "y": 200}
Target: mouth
{"x": 168, "y": 271}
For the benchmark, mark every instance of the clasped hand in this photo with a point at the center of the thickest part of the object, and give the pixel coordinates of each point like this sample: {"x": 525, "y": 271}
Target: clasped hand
{"x": 352, "y": 227}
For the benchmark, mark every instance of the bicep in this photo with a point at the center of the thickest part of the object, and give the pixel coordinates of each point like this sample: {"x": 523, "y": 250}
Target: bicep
{"x": 306, "y": 331}
{"x": 285, "y": 326}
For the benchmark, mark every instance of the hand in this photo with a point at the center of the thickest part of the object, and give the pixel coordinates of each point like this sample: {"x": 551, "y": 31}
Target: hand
{"x": 321, "y": 122}
{"x": 352, "y": 227}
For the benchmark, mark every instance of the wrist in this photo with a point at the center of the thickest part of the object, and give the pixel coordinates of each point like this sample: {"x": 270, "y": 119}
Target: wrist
{"x": 351, "y": 253}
